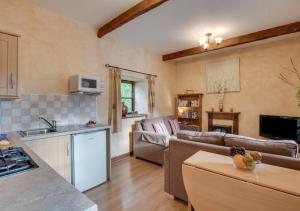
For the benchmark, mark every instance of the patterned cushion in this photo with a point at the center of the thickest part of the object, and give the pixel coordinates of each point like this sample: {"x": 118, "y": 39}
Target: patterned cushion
{"x": 174, "y": 125}
{"x": 161, "y": 128}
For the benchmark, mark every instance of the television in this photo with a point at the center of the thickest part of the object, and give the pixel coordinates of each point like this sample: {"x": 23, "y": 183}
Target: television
{"x": 280, "y": 127}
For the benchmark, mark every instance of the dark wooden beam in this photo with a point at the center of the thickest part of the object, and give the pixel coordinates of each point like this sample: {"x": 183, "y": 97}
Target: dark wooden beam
{"x": 248, "y": 38}
{"x": 133, "y": 12}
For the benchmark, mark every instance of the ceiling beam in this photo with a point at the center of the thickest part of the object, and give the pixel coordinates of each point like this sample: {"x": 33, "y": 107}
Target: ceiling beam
{"x": 248, "y": 38}
{"x": 135, "y": 11}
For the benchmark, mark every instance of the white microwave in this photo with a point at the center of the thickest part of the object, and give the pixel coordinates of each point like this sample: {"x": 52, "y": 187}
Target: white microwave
{"x": 85, "y": 84}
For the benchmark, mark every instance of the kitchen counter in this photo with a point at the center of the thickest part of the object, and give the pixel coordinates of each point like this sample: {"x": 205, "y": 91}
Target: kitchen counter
{"x": 42, "y": 188}
{"x": 68, "y": 130}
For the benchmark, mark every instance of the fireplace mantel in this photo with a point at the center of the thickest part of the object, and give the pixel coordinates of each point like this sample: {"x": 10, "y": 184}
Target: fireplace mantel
{"x": 233, "y": 116}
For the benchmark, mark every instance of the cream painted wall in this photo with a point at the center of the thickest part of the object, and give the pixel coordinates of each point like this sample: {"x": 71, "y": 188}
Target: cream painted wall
{"x": 53, "y": 47}
{"x": 261, "y": 90}
{"x": 141, "y": 97}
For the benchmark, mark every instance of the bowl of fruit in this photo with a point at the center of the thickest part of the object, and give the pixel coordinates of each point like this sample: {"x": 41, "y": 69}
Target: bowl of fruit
{"x": 245, "y": 160}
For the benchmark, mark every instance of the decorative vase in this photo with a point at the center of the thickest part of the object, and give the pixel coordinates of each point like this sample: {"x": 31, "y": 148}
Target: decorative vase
{"x": 221, "y": 106}
{"x": 124, "y": 110}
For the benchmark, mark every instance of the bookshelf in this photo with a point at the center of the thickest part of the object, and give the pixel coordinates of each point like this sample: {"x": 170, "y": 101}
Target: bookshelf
{"x": 189, "y": 109}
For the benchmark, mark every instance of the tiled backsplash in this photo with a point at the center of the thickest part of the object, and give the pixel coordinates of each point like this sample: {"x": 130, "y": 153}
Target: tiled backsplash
{"x": 23, "y": 113}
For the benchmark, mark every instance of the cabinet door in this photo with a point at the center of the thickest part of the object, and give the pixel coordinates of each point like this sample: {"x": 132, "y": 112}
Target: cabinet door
{"x": 3, "y": 64}
{"x": 55, "y": 152}
{"x": 12, "y": 65}
{"x": 8, "y": 65}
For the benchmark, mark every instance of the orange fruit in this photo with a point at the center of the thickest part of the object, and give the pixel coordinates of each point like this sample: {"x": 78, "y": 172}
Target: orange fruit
{"x": 239, "y": 161}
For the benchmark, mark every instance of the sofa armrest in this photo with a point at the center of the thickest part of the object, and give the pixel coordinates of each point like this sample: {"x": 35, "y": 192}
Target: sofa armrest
{"x": 179, "y": 151}
{"x": 151, "y": 137}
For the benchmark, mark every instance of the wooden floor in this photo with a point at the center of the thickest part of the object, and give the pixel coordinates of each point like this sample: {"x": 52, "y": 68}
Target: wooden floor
{"x": 135, "y": 185}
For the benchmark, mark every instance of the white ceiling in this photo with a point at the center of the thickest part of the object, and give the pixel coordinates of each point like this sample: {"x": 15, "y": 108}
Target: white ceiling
{"x": 92, "y": 12}
{"x": 179, "y": 24}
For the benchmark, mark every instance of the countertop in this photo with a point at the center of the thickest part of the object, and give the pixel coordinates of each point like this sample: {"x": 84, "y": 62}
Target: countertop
{"x": 68, "y": 130}
{"x": 42, "y": 188}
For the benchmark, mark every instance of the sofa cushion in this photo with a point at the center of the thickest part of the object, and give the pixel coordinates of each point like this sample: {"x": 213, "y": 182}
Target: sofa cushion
{"x": 147, "y": 124}
{"x": 161, "y": 128}
{"x": 216, "y": 138}
{"x": 279, "y": 147}
{"x": 174, "y": 125}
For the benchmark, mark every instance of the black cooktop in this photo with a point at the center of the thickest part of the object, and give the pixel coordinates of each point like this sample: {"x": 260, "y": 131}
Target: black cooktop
{"x": 15, "y": 160}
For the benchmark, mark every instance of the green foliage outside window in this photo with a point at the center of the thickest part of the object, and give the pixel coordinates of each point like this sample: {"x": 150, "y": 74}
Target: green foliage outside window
{"x": 127, "y": 94}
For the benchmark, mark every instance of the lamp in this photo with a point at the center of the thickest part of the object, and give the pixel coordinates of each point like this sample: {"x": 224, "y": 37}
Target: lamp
{"x": 218, "y": 40}
{"x": 205, "y": 43}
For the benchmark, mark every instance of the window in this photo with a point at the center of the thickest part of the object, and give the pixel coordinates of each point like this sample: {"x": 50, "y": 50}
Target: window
{"x": 127, "y": 94}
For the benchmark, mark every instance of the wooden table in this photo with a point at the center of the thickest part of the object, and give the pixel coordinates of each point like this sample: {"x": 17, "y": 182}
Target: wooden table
{"x": 213, "y": 184}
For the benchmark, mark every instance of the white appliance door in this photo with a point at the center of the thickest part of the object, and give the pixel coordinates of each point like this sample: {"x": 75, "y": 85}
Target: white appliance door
{"x": 89, "y": 163}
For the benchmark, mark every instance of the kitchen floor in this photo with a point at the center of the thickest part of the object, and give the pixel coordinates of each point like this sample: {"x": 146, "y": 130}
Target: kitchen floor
{"x": 135, "y": 185}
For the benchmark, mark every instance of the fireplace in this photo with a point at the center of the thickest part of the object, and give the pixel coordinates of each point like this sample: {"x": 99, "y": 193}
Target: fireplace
{"x": 222, "y": 128}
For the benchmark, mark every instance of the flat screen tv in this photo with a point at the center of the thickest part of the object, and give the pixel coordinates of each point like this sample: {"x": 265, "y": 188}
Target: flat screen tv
{"x": 280, "y": 127}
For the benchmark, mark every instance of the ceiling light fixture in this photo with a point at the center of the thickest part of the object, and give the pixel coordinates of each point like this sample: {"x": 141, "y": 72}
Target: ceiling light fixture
{"x": 205, "y": 43}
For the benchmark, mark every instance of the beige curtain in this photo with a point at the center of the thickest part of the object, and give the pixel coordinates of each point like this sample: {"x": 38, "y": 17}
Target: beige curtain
{"x": 151, "y": 95}
{"x": 115, "y": 102}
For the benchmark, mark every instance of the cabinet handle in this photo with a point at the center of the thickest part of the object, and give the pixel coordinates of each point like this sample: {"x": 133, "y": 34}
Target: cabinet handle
{"x": 11, "y": 81}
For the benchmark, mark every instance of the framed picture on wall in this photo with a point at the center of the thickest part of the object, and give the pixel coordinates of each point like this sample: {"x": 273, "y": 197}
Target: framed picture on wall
{"x": 224, "y": 75}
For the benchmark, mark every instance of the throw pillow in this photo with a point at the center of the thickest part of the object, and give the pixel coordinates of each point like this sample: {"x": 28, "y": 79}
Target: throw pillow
{"x": 174, "y": 125}
{"x": 160, "y": 128}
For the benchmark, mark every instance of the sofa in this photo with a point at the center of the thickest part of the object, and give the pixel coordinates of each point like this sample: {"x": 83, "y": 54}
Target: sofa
{"x": 150, "y": 145}
{"x": 279, "y": 153}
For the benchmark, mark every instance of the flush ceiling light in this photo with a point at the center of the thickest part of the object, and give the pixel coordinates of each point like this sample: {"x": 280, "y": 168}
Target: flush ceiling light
{"x": 205, "y": 43}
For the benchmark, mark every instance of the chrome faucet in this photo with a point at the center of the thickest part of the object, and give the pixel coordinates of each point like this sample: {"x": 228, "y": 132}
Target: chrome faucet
{"x": 51, "y": 124}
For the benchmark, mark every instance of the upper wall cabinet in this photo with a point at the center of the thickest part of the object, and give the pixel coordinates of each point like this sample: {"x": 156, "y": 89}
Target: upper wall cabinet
{"x": 8, "y": 66}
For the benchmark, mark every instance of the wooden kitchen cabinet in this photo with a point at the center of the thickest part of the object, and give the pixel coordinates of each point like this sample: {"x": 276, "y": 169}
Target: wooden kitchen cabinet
{"x": 8, "y": 66}
{"x": 55, "y": 152}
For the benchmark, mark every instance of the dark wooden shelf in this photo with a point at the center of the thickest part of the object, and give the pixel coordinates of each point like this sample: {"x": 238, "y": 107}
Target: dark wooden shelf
{"x": 197, "y": 110}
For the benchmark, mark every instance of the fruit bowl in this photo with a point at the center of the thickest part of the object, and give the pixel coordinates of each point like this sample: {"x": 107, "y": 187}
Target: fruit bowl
{"x": 245, "y": 160}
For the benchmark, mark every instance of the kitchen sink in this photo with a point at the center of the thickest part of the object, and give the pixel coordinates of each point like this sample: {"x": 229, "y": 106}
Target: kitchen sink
{"x": 34, "y": 132}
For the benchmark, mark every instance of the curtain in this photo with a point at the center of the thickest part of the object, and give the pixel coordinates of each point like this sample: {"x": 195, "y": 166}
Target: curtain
{"x": 151, "y": 95}
{"x": 115, "y": 102}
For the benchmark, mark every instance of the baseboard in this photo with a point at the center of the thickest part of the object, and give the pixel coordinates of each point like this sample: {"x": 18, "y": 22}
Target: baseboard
{"x": 119, "y": 157}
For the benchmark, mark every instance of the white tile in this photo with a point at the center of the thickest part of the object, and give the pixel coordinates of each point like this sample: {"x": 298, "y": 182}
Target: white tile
{"x": 16, "y": 112}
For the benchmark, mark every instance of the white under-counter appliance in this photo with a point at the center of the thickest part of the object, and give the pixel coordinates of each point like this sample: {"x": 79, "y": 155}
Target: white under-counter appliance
{"x": 86, "y": 84}
{"x": 89, "y": 160}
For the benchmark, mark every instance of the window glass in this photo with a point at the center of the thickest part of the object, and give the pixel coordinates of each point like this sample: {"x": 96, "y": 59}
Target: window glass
{"x": 127, "y": 94}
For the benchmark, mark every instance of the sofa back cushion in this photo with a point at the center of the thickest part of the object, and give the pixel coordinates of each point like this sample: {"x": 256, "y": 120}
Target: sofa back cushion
{"x": 147, "y": 124}
{"x": 174, "y": 125}
{"x": 281, "y": 147}
{"x": 216, "y": 138}
{"x": 161, "y": 128}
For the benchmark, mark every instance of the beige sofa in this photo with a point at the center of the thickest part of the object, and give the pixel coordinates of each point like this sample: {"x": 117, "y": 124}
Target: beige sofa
{"x": 280, "y": 153}
{"x": 149, "y": 145}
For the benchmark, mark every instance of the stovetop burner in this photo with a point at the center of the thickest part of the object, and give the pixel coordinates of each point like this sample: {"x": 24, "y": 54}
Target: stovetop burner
{"x": 13, "y": 160}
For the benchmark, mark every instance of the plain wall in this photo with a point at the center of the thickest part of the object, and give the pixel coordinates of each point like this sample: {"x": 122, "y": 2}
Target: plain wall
{"x": 141, "y": 97}
{"x": 262, "y": 92}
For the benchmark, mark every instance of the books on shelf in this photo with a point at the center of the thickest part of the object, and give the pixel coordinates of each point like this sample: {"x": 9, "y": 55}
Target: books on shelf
{"x": 190, "y": 115}
{"x": 188, "y": 103}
